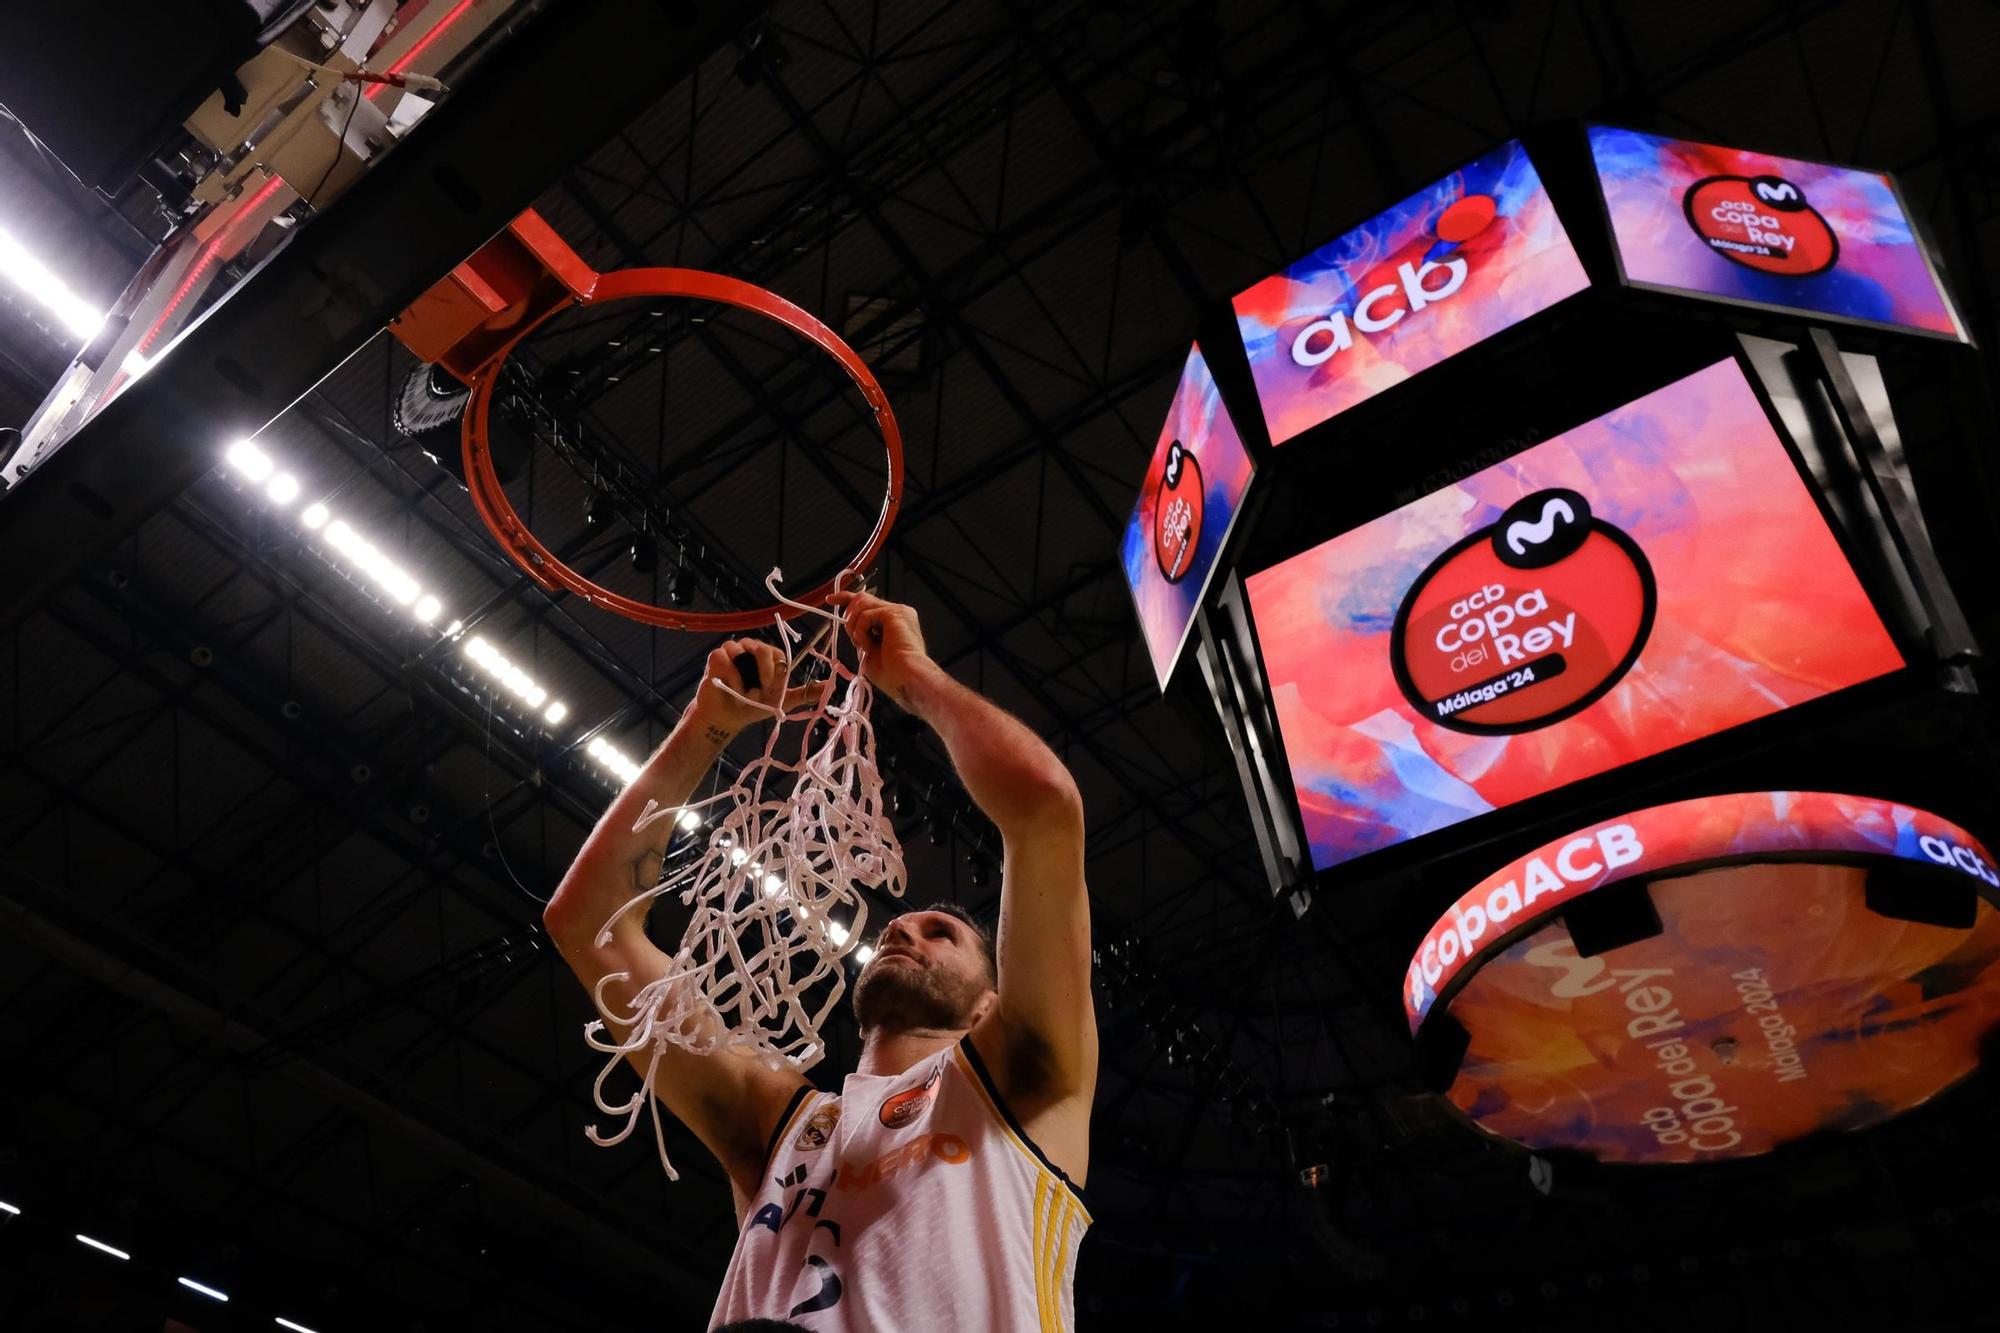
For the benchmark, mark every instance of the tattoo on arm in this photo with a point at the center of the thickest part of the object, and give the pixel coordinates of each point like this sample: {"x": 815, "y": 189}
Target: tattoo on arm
{"x": 717, "y": 735}
{"x": 646, "y": 869}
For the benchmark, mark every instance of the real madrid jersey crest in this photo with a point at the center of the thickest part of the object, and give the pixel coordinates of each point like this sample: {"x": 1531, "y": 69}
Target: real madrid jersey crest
{"x": 909, "y": 1201}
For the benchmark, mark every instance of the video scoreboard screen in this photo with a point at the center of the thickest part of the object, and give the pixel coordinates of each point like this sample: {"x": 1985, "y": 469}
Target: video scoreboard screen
{"x": 1474, "y": 254}
{"x": 1773, "y": 232}
{"x": 1628, "y": 586}
{"x": 1188, "y": 503}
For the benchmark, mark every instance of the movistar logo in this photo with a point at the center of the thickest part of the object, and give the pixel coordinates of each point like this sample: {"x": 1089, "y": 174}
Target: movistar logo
{"x": 1379, "y": 309}
{"x": 1522, "y": 534}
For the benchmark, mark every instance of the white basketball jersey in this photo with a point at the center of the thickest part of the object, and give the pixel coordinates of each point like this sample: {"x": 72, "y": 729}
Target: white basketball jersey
{"x": 911, "y": 1201}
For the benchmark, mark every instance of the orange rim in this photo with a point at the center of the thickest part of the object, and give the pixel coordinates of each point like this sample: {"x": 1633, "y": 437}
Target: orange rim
{"x": 545, "y": 568}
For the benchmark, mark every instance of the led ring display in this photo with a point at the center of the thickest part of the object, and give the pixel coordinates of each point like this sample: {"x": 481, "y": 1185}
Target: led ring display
{"x": 1778, "y": 964}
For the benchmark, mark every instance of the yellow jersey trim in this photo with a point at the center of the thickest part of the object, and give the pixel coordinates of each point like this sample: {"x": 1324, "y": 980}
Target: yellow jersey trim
{"x": 1041, "y": 1251}
{"x": 1001, "y": 1118}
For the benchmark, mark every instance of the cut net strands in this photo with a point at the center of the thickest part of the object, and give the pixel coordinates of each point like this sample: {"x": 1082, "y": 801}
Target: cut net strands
{"x": 776, "y": 893}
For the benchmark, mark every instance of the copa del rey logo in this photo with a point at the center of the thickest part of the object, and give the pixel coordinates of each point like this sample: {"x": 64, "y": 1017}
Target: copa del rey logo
{"x": 1762, "y": 222}
{"x": 1416, "y": 286}
{"x": 1525, "y": 621}
{"x": 1177, "y": 511}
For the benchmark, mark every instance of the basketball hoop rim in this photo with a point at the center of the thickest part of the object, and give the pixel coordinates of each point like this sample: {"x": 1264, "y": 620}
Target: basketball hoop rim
{"x": 550, "y": 572}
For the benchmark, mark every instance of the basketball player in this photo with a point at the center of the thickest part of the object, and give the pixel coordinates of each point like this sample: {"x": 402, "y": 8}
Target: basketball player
{"x": 941, "y": 1186}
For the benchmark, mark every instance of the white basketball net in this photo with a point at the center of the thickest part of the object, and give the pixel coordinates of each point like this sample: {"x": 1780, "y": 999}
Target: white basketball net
{"x": 776, "y": 892}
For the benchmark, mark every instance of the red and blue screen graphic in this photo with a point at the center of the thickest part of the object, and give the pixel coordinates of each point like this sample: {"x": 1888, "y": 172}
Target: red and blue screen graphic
{"x": 1474, "y": 254}
{"x": 1774, "y": 231}
{"x": 1648, "y": 578}
{"x": 1189, "y": 500}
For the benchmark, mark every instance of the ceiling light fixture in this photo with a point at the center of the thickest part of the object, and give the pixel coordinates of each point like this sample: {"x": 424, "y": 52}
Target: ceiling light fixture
{"x": 36, "y": 280}
{"x": 612, "y": 758}
{"x": 205, "y": 1290}
{"x": 356, "y": 553}
{"x": 248, "y": 459}
{"x": 504, "y": 673}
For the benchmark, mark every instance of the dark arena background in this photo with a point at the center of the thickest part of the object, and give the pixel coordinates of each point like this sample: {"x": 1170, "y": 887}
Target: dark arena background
{"x": 292, "y": 753}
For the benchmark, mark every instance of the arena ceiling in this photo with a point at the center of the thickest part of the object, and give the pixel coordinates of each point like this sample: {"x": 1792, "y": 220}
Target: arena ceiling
{"x": 275, "y": 985}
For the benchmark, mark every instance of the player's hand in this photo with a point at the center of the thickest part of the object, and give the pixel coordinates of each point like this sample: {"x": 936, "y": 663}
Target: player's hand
{"x": 888, "y": 638}
{"x": 716, "y": 709}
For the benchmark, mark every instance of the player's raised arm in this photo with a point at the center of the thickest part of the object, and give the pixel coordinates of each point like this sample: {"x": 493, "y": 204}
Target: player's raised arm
{"x": 1048, "y": 1026}
{"x": 729, "y": 1101}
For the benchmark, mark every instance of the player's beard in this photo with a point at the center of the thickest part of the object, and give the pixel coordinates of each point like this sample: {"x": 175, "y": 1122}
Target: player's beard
{"x": 905, "y": 996}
